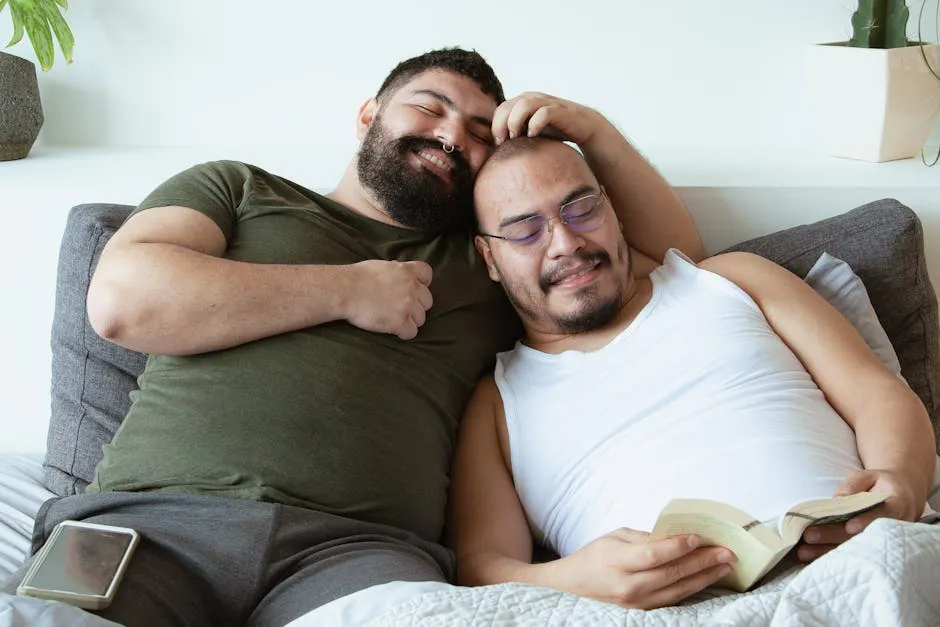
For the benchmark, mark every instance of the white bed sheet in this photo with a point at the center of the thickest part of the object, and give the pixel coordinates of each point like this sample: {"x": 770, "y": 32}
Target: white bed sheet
{"x": 21, "y": 495}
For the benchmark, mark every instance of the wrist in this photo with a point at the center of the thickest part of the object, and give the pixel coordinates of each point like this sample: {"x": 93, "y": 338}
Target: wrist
{"x": 908, "y": 486}
{"x": 605, "y": 144}
{"x": 551, "y": 574}
{"x": 917, "y": 479}
{"x": 489, "y": 569}
{"x": 340, "y": 291}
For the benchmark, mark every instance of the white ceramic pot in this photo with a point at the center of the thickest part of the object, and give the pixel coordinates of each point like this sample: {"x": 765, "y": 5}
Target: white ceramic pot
{"x": 872, "y": 104}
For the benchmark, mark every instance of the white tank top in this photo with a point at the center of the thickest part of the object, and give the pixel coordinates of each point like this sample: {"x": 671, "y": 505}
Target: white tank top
{"x": 696, "y": 398}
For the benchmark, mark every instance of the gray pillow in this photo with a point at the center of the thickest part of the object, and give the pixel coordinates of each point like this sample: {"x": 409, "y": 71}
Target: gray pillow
{"x": 91, "y": 378}
{"x": 834, "y": 280}
{"x": 883, "y": 242}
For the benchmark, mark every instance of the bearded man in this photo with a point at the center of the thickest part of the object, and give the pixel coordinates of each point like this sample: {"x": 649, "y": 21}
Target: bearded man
{"x": 292, "y": 435}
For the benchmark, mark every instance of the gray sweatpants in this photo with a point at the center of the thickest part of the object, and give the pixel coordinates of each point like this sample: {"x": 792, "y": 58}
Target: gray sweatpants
{"x": 204, "y": 560}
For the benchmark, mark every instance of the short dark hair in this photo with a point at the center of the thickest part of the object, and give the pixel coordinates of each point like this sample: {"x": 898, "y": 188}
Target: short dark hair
{"x": 520, "y": 145}
{"x": 469, "y": 63}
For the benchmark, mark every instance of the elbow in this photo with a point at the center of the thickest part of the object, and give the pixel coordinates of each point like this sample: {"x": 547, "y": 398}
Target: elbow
{"x": 467, "y": 574}
{"x": 107, "y": 311}
{"x": 483, "y": 568}
{"x": 465, "y": 579}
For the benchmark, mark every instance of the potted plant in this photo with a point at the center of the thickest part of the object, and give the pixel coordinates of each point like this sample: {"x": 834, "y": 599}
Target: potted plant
{"x": 21, "y": 114}
{"x": 877, "y": 95}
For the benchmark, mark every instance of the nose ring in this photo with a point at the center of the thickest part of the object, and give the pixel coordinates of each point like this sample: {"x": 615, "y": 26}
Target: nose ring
{"x": 448, "y": 148}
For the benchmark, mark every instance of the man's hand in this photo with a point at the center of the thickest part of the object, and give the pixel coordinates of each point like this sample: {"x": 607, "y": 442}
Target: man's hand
{"x": 902, "y": 504}
{"x": 389, "y": 296}
{"x": 533, "y": 113}
{"x": 625, "y": 567}
{"x": 651, "y": 213}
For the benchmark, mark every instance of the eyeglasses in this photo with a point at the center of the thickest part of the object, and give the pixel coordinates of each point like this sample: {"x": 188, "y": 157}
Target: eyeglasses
{"x": 580, "y": 215}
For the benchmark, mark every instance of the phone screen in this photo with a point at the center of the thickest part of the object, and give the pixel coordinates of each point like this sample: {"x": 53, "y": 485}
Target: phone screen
{"x": 81, "y": 560}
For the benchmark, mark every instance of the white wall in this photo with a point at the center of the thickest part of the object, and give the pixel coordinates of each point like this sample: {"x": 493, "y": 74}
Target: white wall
{"x": 672, "y": 73}
{"x": 712, "y": 92}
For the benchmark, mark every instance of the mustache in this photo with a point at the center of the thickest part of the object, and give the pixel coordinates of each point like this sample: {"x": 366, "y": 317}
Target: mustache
{"x": 599, "y": 258}
{"x": 414, "y": 143}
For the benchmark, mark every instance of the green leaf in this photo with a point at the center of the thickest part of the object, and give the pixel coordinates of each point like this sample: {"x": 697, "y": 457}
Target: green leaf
{"x": 63, "y": 3}
{"x": 40, "y": 35}
{"x": 26, "y": 5}
{"x": 60, "y": 28}
{"x": 17, "y": 25}
{"x": 3, "y": 3}
{"x": 41, "y": 20}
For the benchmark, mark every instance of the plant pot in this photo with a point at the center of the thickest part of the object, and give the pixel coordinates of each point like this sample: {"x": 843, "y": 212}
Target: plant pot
{"x": 20, "y": 107}
{"x": 873, "y": 104}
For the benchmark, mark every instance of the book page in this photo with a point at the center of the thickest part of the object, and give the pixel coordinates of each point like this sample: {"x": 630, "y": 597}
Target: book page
{"x": 838, "y": 509}
{"x": 727, "y": 513}
{"x": 753, "y": 557}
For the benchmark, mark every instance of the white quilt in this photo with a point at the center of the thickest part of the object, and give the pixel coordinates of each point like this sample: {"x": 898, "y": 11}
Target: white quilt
{"x": 887, "y": 576}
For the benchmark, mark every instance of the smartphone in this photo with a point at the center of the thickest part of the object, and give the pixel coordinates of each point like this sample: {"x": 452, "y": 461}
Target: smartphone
{"x": 80, "y": 564}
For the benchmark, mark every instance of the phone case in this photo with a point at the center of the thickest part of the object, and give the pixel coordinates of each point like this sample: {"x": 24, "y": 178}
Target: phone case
{"x": 84, "y": 601}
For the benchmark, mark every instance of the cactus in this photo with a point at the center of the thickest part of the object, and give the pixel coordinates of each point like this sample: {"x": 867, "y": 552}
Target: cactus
{"x": 880, "y": 24}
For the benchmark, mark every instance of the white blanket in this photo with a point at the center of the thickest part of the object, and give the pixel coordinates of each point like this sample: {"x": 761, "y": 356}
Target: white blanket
{"x": 889, "y": 575}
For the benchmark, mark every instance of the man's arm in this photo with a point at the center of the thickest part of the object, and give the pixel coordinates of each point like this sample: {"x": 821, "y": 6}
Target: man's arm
{"x": 490, "y": 535}
{"x": 652, "y": 215}
{"x": 893, "y": 432}
{"x": 493, "y": 544}
{"x": 651, "y": 212}
{"x": 162, "y": 287}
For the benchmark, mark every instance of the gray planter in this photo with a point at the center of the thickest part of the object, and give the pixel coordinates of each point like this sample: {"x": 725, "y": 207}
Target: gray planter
{"x": 20, "y": 108}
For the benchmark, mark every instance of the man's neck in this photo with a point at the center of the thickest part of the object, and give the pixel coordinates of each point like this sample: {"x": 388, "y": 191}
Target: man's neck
{"x": 640, "y": 291}
{"x": 349, "y": 192}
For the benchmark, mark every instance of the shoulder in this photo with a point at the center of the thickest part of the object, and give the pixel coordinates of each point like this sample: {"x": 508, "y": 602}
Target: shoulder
{"x": 749, "y": 271}
{"x": 220, "y": 167}
{"x": 770, "y": 285}
{"x": 486, "y": 398}
{"x": 734, "y": 262}
{"x": 234, "y": 173}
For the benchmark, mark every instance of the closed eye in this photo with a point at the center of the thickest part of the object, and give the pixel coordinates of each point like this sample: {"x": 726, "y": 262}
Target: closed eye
{"x": 528, "y": 239}
{"x": 525, "y": 231}
{"x": 427, "y": 110}
{"x": 582, "y": 207}
{"x": 484, "y": 138}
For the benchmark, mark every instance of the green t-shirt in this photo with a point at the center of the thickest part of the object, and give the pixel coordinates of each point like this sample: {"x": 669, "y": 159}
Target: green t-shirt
{"x": 330, "y": 417}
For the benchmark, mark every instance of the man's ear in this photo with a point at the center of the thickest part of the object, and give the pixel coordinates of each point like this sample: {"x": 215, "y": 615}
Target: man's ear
{"x": 483, "y": 247}
{"x": 366, "y": 115}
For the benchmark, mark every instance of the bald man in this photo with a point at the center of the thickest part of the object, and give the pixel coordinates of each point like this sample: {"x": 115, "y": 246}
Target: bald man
{"x": 640, "y": 380}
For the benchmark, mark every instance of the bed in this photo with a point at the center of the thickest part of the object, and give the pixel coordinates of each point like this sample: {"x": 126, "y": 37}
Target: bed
{"x": 873, "y": 271}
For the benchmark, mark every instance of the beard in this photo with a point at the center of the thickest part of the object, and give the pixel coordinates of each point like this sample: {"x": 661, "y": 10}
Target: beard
{"x": 417, "y": 199}
{"x": 595, "y": 313}
{"x": 594, "y": 310}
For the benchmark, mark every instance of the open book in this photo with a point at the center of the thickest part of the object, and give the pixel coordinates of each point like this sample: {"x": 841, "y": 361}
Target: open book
{"x": 757, "y": 547}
